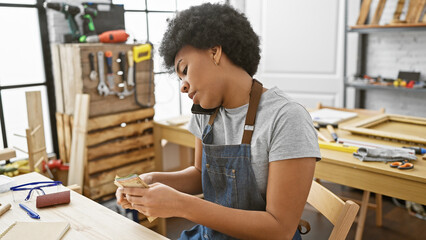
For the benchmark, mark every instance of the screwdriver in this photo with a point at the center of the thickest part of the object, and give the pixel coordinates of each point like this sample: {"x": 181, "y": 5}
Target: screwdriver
{"x": 417, "y": 150}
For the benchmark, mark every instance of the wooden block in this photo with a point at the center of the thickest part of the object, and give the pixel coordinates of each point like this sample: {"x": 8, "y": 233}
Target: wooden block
{"x": 117, "y": 132}
{"x": 363, "y": 13}
{"x": 378, "y": 12}
{"x": 7, "y": 153}
{"x": 119, "y": 146}
{"x": 78, "y": 145}
{"x": 119, "y": 160}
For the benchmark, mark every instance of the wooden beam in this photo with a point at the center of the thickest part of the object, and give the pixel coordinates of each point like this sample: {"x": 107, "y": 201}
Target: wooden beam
{"x": 7, "y": 153}
{"x": 78, "y": 155}
{"x": 35, "y": 131}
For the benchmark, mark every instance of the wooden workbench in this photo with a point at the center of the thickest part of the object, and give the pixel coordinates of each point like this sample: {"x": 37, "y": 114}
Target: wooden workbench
{"x": 338, "y": 167}
{"x": 88, "y": 219}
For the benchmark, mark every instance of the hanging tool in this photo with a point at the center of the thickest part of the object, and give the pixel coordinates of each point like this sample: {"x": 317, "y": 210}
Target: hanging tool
{"x": 143, "y": 53}
{"x": 122, "y": 61}
{"x": 102, "y": 87}
{"x": 113, "y": 36}
{"x": 93, "y": 73}
{"x": 130, "y": 71}
{"x": 110, "y": 74}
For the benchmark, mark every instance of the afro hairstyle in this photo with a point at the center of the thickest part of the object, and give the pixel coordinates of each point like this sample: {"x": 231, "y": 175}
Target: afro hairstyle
{"x": 209, "y": 25}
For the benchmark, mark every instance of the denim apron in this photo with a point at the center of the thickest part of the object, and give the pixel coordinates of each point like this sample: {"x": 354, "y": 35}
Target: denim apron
{"x": 227, "y": 176}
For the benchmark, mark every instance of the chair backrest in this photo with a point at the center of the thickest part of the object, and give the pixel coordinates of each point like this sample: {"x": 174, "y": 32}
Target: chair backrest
{"x": 357, "y": 110}
{"x": 341, "y": 214}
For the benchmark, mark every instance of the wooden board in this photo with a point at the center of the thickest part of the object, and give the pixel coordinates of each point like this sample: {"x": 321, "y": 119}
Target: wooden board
{"x": 398, "y": 11}
{"x": 35, "y": 133}
{"x": 363, "y": 13}
{"x": 402, "y": 128}
{"x": 78, "y": 145}
{"x": 415, "y": 9}
{"x": 378, "y": 12}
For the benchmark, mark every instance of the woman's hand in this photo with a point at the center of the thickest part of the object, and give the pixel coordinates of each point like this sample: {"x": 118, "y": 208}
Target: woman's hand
{"x": 147, "y": 177}
{"x": 121, "y": 198}
{"x": 157, "y": 201}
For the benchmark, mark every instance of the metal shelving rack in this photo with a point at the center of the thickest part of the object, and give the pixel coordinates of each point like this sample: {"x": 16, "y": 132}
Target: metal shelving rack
{"x": 363, "y": 32}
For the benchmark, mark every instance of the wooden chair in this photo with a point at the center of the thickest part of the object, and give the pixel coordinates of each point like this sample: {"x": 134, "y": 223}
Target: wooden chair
{"x": 340, "y": 213}
{"x": 364, "y": 203}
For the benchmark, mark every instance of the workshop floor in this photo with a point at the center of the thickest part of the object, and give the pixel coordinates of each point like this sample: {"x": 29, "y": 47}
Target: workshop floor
{"x": 397, "y": 223}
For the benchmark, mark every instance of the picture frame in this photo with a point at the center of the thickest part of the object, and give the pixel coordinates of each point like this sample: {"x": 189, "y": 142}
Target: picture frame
{"x": 391, "y": 126}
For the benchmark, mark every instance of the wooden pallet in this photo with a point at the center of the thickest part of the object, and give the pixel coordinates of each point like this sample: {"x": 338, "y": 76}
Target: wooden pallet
{"x": 117, "y": 144}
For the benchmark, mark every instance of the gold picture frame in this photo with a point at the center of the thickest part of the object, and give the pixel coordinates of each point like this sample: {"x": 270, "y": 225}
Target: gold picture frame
{"x": 390, "y": 126}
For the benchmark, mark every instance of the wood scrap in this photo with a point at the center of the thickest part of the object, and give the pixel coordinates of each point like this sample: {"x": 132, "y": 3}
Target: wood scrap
{"x": 363, "y": 13}
{"x": 397, "y": 13}
{"x": 378, "y": 12}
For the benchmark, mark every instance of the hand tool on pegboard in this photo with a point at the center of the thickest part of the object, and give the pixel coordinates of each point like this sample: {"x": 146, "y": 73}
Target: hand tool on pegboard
{"x": 93, "y": 74}
{"x": 110, "y": 74}
{"x": 122, "y": 62}
{"x": 142, "y": 53}
{"x": 102, "y": 87}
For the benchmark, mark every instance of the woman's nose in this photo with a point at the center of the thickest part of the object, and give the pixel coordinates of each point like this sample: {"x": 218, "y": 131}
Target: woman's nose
{"x": 184, "y": 87}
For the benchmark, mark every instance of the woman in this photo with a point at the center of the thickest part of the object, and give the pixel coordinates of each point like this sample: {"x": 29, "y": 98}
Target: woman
{"x": 255, "y": 150}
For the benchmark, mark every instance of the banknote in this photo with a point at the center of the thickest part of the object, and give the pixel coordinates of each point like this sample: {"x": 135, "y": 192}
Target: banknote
{"x": 132, "y": 180}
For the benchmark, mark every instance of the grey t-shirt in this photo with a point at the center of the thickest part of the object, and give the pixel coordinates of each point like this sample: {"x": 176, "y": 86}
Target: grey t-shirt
{"x": 283, "y": 130}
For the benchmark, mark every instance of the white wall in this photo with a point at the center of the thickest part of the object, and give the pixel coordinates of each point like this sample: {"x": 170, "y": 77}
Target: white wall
{"x": 302, "y": 47}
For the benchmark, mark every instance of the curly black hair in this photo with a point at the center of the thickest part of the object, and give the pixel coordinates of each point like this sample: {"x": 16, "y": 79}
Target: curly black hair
{"x": 210, "y": 25}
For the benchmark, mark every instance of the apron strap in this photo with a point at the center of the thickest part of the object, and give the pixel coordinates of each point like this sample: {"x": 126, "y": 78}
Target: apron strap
{"x": 255, "y": 94}
{"x": 213, "y": 117}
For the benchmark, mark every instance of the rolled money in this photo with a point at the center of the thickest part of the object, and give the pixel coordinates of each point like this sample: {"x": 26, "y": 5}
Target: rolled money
{"x": 132, "y": 180}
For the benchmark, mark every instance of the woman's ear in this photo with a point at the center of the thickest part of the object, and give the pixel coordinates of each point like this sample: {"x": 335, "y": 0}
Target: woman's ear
{"x": 216, "y": 54}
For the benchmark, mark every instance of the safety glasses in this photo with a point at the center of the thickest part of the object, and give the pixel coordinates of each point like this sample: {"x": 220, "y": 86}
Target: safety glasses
{"x": 29, "y": 189}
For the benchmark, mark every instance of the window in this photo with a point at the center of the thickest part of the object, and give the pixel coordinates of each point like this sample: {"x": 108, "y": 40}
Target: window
{"x": 25, "y": 66}
{"x": 147, "y": 21}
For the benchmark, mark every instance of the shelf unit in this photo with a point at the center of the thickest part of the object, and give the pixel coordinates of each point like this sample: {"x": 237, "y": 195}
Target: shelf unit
{"x": 363, "y": 31}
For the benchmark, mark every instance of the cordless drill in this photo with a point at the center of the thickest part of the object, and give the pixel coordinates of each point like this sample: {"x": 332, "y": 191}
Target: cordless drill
{"x": 70, "y": 12}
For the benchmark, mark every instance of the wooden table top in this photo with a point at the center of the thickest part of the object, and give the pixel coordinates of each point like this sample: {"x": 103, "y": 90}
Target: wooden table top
{"x": 88, "y": 219}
